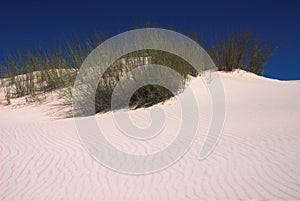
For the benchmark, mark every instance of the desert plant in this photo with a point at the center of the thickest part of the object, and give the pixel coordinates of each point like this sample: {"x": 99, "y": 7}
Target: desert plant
{"x": 240, "y": 51}
{"x": 147, "y": 95}
{"x": 260, "y": 53}
{"x": 40, "y": 71}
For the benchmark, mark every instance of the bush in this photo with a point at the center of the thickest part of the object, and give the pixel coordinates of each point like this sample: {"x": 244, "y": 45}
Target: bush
{"x": 147, "y": 95}
{"x": 241, "y": 51}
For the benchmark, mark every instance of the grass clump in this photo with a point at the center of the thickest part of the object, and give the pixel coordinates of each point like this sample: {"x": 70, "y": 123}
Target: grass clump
{"x": 145, "y": 96}
{"x": 241, "y": 51}
{"x": 32, "y": 73}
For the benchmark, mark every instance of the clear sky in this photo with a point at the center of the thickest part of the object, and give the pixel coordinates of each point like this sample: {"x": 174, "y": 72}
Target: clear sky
{"x": 26, "y": 23}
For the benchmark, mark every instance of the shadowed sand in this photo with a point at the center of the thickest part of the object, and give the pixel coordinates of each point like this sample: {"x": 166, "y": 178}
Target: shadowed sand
{"x": 257, "y": 156}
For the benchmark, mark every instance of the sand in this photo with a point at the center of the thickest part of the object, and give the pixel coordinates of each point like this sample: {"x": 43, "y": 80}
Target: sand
{"x": 257, "y": 156}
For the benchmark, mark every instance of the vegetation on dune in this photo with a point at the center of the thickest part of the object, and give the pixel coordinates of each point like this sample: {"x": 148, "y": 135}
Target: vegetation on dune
{"x": 241, "y": 51}
{"x": 34, "y": 73}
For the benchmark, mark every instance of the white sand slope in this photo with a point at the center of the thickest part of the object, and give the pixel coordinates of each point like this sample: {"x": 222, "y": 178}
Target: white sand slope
{"x": 257, "y": 156}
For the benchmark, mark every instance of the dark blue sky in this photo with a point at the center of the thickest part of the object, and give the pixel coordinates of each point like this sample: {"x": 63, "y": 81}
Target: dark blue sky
{"x": 26, "y": 23}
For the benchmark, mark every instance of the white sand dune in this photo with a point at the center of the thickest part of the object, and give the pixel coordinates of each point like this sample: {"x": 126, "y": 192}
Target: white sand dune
{"x": 257, "y": 156}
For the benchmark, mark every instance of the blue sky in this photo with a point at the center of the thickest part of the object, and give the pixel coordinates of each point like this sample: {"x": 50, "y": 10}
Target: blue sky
{"x": 26, "y": 23}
